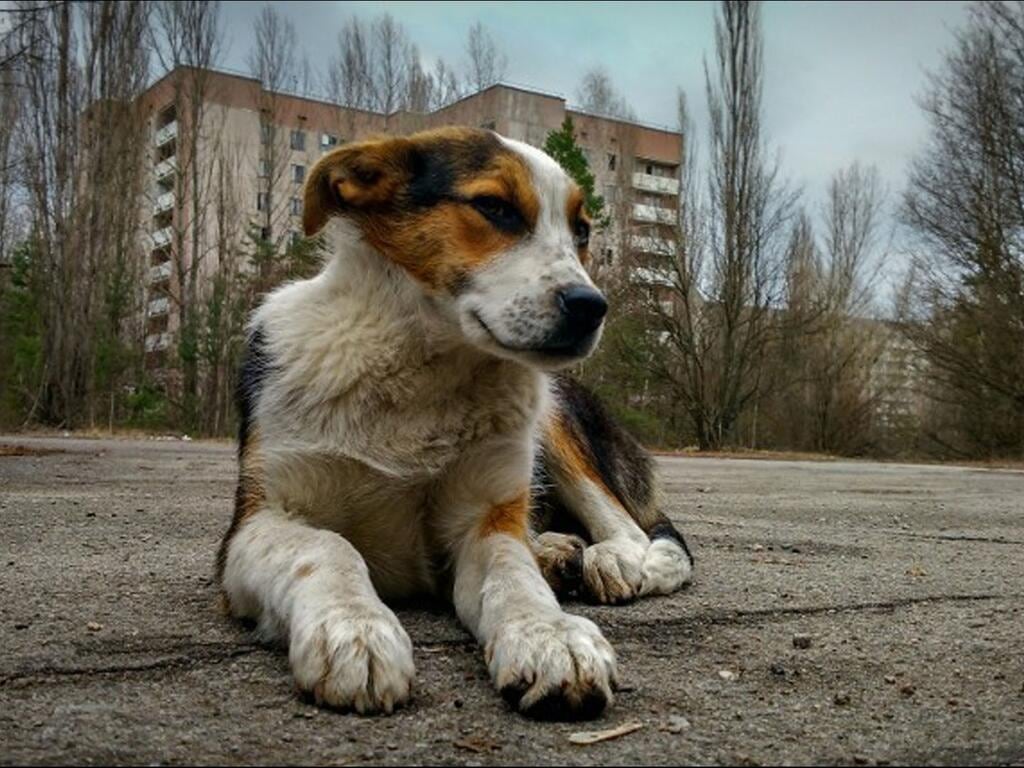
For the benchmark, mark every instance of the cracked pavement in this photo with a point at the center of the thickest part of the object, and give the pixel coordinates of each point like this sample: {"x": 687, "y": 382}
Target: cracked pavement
{"x": 907, "y": 579}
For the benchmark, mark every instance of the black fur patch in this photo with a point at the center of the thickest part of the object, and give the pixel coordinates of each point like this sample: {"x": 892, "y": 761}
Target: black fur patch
{"x": 256, "y": 364}
{"x": 619, "y": 459}
{"x": 438, "y": 167}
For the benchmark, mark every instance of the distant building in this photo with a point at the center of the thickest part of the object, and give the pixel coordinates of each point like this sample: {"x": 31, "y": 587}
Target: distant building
{"x": 276, "y": 137}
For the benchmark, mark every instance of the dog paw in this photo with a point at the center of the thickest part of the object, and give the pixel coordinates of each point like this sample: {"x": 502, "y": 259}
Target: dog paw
{"x": 560, "y": 557}
{"x": 353, "y": 658}
{"x": 666, "y": 568}
{"x": 613, "y": 570}
{"x": 555, "y": 668}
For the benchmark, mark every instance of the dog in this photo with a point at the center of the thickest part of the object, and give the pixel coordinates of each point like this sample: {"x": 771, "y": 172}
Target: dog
{"x": 406, "y": 430}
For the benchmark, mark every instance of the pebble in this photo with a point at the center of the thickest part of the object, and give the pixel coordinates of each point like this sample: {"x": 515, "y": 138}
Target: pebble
{"x": 94, "y": 626}
{"x": 676, "y": 724}
{"x": 890, "y": 679}
{"x": 727, "y": 674}
{"x": 841, "y": 699}
{"x": 801, "y": 640}
{"x": 908, "y": 690}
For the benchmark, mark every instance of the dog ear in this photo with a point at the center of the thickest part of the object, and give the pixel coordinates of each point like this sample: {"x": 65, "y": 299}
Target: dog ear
{"x": 357, "y": 177}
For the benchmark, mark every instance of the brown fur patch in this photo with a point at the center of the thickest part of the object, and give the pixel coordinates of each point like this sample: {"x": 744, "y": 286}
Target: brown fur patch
{"x": 441, "y": 246}
{"x": 571, "y": 456}
{"x": 574, "y": 212}
{"x": 510, "y": 517}
{"x": 506, "y": 177}
{"x": 411, "y": 199}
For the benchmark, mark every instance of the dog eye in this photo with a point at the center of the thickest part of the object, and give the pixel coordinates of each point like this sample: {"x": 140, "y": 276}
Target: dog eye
{"x": 582, "y": 234}
{"x": 500, "y": 213}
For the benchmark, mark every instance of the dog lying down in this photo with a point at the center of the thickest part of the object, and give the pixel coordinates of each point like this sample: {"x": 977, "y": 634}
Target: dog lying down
{"x": 404, "y": 432}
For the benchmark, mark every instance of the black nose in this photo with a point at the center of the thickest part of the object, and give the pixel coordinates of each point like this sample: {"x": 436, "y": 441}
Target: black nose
{"x": 582, "y": 307}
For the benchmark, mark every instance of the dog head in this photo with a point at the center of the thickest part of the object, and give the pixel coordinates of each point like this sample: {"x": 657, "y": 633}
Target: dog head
{"x": 492, "y": 229}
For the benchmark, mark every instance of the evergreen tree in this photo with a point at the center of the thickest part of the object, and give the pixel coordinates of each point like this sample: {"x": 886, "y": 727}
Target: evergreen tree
{"x": 562, "y": 147}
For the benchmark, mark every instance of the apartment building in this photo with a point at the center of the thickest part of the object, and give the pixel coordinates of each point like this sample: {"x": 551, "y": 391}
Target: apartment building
{"x": 270, "y": 140}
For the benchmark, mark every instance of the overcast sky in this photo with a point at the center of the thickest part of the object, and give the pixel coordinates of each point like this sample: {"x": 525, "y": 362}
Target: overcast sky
{"x": 841, "y": 77}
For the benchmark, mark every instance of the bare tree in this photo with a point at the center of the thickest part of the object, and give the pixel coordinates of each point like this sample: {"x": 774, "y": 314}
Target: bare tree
{"x": 964, "y": 206}
{"x": 228, "y": 296}
{"x": 597, "y": 94}
{"x": 188, "y": 39}
{"x": 376, "y": 67}
{"x": 11, "y": 97}
{"x": 349, "y": 80}
{"x": 272, "y": 60}
{"x": 80, "y": 67}
{"x": 841, "y": 345}
{"x": 486, "y": 64}
{"x": 390, "y": 64}
{"x": 447, "y": 85}
{"x": 713, "y": 297}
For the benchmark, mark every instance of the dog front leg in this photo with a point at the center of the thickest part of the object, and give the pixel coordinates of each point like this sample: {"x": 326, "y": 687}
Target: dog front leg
{"x": 311, "y": 588}
{"x": 545, "y": 662}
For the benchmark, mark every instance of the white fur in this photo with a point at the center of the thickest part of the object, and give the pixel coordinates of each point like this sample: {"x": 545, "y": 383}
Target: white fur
{"x": 312, "y": 588}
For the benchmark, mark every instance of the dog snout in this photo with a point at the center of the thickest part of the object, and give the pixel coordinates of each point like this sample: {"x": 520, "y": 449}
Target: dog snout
{"x": 583, "y": 308}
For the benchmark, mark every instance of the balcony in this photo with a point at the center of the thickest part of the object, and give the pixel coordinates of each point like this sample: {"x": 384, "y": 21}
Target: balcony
{"x": 657, "y": 246}
{"x": 160, "y": 273}
{"x": 649, "y": 276}
{"x": 158, "y": 307}
{"x": 659, "y": 185}
{"x": 157, "y": 341}
{"x": 166, "y": 169}
{"x": 164, "y": 203}
{"x": 166, "y": 133}
{"x": 652, "y": 214}
{"x": 162, "y": 237}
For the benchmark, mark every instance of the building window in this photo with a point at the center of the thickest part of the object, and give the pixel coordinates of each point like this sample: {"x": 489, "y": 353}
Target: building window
{"x": 296, "y": 206}
{"x": 266, "y": 133}
{"x": 261, "y": 201}
{"x": 327, "y": 140}
{"x": 611, "y": 161}
{"x": 264, "y": 169}
{"x": 650, "y": 169}
{"x": 294, "y": 238}
{"x": 298, "y": 173}
{"x": 265, "y": 234}
{"x": 299, "y": 140}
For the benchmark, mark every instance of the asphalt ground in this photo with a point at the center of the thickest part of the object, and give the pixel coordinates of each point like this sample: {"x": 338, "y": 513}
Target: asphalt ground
{"x": 905, "y": 582}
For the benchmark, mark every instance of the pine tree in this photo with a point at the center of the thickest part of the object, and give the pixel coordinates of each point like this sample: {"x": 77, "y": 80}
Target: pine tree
{"x": 562, "y": 147}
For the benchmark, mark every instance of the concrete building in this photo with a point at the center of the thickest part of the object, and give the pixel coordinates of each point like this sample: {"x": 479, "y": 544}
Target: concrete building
{"x": 255, "y": 146}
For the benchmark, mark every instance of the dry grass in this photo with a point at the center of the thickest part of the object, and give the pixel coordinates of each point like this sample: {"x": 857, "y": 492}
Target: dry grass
{"x": 746, "y": 453}
{"x": 24, "y": 450}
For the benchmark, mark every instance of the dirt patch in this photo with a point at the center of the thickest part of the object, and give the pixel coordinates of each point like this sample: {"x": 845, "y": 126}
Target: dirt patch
{"x": 24, "y": 450}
